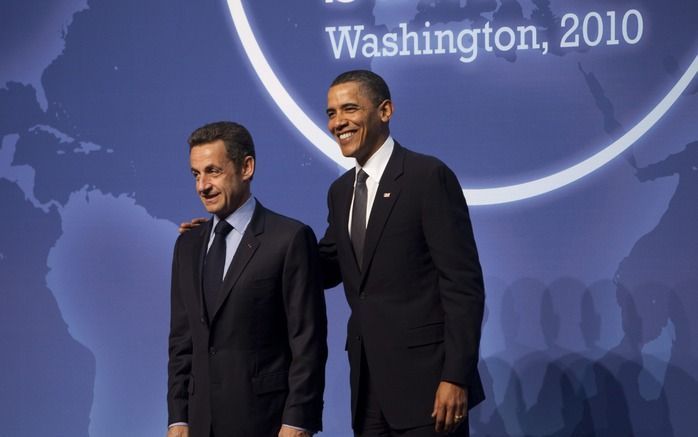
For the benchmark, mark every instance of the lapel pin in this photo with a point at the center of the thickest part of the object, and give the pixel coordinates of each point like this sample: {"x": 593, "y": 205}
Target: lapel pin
{"x": 386, "y": 195}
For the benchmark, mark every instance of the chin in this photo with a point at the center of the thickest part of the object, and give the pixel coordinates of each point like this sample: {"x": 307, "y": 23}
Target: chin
{"x": 348, "y": 152}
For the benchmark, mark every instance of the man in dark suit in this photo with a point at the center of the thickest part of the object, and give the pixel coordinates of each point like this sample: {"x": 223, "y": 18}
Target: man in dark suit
{"x": 247, "y": 346}
{"x": 400, "y": 239}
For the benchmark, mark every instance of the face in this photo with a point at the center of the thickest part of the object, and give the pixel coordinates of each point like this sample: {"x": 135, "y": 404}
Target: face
{"x": 357, "y": 124}
{"x": 220, "y": 184}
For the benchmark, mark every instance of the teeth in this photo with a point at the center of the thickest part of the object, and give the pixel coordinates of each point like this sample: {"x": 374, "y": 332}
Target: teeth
{"x": 345, "y": 135}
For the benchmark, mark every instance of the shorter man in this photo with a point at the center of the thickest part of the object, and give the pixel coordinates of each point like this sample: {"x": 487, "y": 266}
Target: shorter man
{"x": 247, "y": 345}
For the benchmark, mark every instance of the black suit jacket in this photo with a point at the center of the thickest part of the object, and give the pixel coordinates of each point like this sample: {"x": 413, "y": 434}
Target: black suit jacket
{"x": 417, "y": 301}
{"x": 258, "y": 360}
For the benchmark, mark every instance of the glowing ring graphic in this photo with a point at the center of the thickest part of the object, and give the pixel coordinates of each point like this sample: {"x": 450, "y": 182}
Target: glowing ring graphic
{"x": 475, "y": 196}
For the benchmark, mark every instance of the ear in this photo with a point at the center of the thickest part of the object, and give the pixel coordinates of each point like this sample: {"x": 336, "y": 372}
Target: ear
{"x": 247, "y": 168}
{"x": 386, "y": 110}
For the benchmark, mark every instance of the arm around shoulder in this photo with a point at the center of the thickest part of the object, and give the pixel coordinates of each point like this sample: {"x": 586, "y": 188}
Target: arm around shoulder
{"x": 329, "y": 263}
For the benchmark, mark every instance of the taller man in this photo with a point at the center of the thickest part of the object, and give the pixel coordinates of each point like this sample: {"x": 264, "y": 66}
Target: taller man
{"x": 400, "y": 239}
{"x": 247, "y": 346}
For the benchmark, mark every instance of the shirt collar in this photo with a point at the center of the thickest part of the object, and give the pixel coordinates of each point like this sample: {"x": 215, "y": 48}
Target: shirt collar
{"x": 240, "y": 218}
{"x": 375, "y": 166}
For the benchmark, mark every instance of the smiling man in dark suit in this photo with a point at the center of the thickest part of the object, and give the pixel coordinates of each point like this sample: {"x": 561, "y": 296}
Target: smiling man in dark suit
{"x": 247, "y": 346}
{"x": 400, "y": 239}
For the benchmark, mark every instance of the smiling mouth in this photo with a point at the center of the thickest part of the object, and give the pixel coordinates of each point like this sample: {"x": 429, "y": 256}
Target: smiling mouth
{"x": 209, "y": 198}
{"x": 345, "y": 135}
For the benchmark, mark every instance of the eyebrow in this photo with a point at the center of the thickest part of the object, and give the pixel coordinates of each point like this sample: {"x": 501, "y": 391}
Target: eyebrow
{"x": 207, "y": 168}
{"x": 344, "y": 106}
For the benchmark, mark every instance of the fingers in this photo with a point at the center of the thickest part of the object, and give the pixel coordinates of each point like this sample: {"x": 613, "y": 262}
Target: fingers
{"x": 449, "y": 407}
{"x": 458, "y": 418}
{"x": 187, "y": 226}
{"x": 449, "y": 420}
{"x": 448, "y": 417}
{"x": 441, "y": 417}
{"x": 444, "y": 414}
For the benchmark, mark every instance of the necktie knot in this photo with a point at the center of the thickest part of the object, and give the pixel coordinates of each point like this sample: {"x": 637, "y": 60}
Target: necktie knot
{"x": 361, "y": 177}
{"x": 223, "y": 228}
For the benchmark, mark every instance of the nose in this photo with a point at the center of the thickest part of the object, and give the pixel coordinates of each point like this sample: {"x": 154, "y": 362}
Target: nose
{"x": 337, "y": 122}
{"x": 202, "y": 184}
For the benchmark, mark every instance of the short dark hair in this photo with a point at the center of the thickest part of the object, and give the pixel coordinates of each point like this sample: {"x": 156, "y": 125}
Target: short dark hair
{"x": 372, "y": 83}
{"x": 237, "y": 139}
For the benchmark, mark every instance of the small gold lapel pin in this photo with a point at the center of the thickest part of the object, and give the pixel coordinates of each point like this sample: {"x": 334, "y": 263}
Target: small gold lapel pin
{"x": 386, "y": 195}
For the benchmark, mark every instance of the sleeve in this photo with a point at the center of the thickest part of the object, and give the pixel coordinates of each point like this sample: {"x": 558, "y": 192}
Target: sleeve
{"x": 306, "y": 319}
{"x": 449, "y": 235}
{"x": 180, "y": 351}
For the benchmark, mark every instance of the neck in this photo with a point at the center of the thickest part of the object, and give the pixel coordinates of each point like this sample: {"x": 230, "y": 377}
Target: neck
{"x": 244, "y": 199}
{"x": 379, "y": 142}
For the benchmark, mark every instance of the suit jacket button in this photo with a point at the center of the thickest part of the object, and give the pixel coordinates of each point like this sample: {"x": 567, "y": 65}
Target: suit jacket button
{"x": 212, "y": 351}
{"x": 203, "y": 321}
{"x": 362, "y": 295}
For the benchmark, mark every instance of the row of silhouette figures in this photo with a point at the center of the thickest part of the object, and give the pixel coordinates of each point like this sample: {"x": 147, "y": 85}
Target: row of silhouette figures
{"x": 575, "y": 383}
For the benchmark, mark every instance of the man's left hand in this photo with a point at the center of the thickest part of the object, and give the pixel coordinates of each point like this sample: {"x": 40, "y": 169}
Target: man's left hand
{"x": 290, "y": 432}
{"x": 450, "y": 406}
{"x": 193, "y": 224}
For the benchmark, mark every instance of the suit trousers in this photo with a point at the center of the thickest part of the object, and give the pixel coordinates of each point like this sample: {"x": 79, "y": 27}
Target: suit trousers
{"x": 371, "y": 422}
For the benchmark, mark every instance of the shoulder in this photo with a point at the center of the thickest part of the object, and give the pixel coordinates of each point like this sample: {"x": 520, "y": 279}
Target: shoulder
{"x": 281, "y": 223}
{"x": 194, "y": 236}
{"x": 421, "y": 164}
{"x": 190, "y": 242}
{"x": 287, "y": 234}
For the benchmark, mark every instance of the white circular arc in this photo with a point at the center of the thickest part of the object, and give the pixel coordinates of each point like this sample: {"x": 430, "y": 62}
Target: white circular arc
{"x": 475, "y": 196}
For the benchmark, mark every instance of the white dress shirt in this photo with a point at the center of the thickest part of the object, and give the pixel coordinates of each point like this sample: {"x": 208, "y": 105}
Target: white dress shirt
{"x": 374, "y": 168}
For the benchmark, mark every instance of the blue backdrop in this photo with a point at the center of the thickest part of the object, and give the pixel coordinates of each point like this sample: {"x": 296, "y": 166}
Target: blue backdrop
{"x": 571, "y": 126}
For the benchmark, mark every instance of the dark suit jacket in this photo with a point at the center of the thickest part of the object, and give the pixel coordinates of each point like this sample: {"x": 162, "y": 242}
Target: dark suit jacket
{"x": 258, "y": 361}
{"x": 417, "y": 302}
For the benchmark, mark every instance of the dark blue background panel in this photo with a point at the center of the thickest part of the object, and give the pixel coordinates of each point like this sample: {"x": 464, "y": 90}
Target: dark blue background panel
{"x": 571, "y": 126}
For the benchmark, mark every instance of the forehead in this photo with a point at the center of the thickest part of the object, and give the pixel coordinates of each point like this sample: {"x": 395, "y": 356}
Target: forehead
{"x": 347, "y": 92}
{"x": 208, "y": 153}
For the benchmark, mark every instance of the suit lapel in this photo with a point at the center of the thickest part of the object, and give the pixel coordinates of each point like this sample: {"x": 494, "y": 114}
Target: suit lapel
{"x": 247, "y": 248}
{"x": 386, "y": 196}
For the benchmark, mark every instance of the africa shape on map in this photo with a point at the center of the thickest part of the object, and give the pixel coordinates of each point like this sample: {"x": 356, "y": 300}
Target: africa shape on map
{"x": 78, "y": 310}
{"x": 96, "y": 112}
